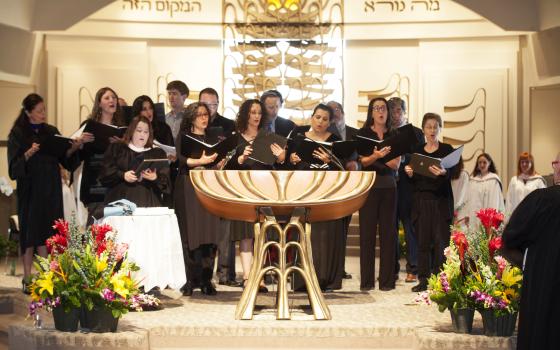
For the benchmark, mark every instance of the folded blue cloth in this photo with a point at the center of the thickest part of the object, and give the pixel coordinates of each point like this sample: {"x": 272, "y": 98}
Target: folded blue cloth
{"x": 119, "y": 208}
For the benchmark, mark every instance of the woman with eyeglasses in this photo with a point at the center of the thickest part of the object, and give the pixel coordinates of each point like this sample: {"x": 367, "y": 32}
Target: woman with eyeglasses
{"x": 526, "y": 181}
{"x": 485, "y": 188}
{"x": 380, "y": 208}
{"x": 199, "y": 229}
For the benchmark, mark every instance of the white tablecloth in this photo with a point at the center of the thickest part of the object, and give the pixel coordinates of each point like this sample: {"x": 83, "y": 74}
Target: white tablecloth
{"x": 154, "y": 244}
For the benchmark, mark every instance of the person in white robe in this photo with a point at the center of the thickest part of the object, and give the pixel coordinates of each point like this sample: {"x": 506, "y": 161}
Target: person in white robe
{"x": 485, "y": 188}
{"x": 526, "y": 181}
{"x": 460, "y": 185}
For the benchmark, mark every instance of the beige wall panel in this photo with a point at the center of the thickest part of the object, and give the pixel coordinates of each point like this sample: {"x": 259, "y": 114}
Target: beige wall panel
{"x": 197, "y": 63}
{"x": 474, "y": 102}
{"x": 545, "y": 122}
{"x": 372, "y": 65}
{"x": 76, "y": 88}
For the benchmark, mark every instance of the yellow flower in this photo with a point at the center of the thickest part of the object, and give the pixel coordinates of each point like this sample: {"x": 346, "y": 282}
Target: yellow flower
{"x": 100, "y": 265}
{"x": 510, "y": 277}
{"x": 46, "y": 283}
{"x": 118, "y": 283}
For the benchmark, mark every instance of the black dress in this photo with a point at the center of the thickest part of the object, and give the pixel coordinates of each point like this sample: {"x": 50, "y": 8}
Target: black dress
{"x": 535, "y": 226}
{"x": 119, "y": 158}
{"x": 39, "y": 187}
{"x": 162, "y": 133}
{"x": 327, "y": 241}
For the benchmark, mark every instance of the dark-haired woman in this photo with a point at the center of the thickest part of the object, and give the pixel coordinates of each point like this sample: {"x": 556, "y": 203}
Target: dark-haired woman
{"x": 200, "y": 230}
{"x": 328, "y": 241}
{"x": 144, "y": 106}
{"x": 122, "y": 158}
{"x": 39, "y": 186}
{"x": 248, "y": 123}
{"x": 485, "y": 188}
{"x": 432, "y": 209}
{"x": 106, "y": 110}
{"x": 380, "y": 208}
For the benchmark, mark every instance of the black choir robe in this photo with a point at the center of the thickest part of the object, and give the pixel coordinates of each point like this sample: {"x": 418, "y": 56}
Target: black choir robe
{"x": 535, "y": 226}
{"x": 39, "y": 187}
{"x": 118, "y": 159}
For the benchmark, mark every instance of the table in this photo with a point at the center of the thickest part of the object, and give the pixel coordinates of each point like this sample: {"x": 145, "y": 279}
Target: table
{"x": 154, "y": 241}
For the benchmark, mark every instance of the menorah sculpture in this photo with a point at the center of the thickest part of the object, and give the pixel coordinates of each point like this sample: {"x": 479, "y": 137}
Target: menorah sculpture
{"x": 306, "y": 196}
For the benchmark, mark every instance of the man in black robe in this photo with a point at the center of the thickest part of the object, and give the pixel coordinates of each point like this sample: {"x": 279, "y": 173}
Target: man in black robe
{"x": 534, "y": 229}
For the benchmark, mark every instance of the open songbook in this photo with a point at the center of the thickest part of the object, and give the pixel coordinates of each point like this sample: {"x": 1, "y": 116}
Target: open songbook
{"x": 154, "y": 164}
{"x": 191, "y": 147}
{"x": 55, "y": 145}
{"x": 402, "y": 142}
{"x": 304, "y": 147}
{"x": 102, "y": 133}
{"x": 261, "y": 147}
{"x": 420, "y": 163}
{"x": 169, "y": 150}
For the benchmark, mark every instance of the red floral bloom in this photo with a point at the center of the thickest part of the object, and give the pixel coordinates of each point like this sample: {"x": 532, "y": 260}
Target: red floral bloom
{"x": 461, "y": 243}
{"x": 99, "y": 232}
{"x": 61, "y": 227}
{"x": 493, "y": 245}
{"x": 57, "y": 244}
{"x": 490, "y": 218}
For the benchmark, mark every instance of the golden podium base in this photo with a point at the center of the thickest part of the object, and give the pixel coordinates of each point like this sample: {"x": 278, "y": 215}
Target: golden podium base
{"x": 246, "y": 306}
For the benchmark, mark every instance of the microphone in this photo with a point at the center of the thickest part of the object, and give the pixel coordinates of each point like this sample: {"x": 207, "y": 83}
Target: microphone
{"x": 334, "y": 158}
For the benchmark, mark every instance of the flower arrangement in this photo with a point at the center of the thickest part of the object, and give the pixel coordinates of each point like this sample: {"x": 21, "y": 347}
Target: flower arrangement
{"x": 474, "y": 274}
{"x": 144, "y": 302}
{"x": 84, "y": 268}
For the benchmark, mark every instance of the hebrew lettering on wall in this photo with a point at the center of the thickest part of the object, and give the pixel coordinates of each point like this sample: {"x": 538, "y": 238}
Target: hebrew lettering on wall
{"x": 401, "y": 6}
{"x": 168, "y": 7}
{"x": 298, "y": 52}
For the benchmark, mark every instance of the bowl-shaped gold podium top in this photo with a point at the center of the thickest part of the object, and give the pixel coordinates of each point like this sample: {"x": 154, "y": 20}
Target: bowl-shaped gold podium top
{"x": 237, "y": 194}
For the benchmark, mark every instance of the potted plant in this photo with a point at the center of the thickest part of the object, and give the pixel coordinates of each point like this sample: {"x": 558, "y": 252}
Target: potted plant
{"x": 496, "y": 285}
{"x": 86, "y": 272}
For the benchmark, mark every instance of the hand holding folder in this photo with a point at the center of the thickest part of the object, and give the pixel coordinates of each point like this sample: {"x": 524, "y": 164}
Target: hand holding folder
{"x": 102, "y": 133}
{"x": 401, "y": 142}
{"x": 262, "y": 151}
{"x": 193, "y": 148}
{"x": 55, "y": 145}
{"x": 421, "y": 163}
{"x": 153, "y": 164}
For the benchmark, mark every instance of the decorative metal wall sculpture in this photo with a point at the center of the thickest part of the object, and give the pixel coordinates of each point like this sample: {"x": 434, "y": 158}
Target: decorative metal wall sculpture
{"x": 292, "y": 46}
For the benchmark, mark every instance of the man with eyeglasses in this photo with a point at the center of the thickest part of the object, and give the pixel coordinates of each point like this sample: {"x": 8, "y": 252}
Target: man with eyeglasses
{"x": 531, "y": 241}
{"x": 397, "y": 107}
{"x": 226, "y": 247}
{"x": 210, "y": 97}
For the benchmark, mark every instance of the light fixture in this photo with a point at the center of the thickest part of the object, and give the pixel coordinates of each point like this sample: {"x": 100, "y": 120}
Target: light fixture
{"x": 274, "y": 5}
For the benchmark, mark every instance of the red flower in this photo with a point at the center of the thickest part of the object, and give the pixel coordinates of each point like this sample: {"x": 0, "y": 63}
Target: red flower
{"x": 57, "y": 244}
{"x": 461, "y": 243}
{"x": 61, "y": 227}
{"x": 493, "y": 245}
{"x": 490, "y": 218}
{"x": 99, "y": 232}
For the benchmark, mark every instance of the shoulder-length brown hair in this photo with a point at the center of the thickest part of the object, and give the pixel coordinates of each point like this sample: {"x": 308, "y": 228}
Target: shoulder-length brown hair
{"x": 526, "y": 156}
{"x": 491, "y": 167}
{"x": 369, "y": 118}
{"x": 132, "y": 128}
{"x": 189, "y": 115}
{"x": 242, "y": 119}
{"x": 96, "y": 109}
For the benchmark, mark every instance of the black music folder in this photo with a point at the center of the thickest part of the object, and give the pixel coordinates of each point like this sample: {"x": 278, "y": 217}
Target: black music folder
{"x": 261, "y": 147}
{"x": 55, "y": 145}
{"x": 420, "y": 163}
{"x": 102, "y": 133}
{"x": 402, "y": 142}
{"x": 193, "y": 148}
{"x": 154, "y": 164}
{"x": 304, "y": 147}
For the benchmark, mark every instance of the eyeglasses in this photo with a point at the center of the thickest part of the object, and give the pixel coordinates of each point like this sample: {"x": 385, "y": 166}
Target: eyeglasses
{"x": 198, "y": 115}
{"x": 556, "y": 163}
{"x": 379, "y": 108}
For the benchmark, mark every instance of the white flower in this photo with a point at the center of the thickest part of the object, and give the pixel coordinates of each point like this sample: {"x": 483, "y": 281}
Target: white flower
{"x": 5, "y": 187}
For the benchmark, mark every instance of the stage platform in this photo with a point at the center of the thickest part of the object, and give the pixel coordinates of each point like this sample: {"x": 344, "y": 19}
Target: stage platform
{"x": 360, "y": 320}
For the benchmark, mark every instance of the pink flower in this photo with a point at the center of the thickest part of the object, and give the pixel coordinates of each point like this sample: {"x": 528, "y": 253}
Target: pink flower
{"x": 120, "y": 250}
{"x": 502, "y": 263}
{"x": 447, "y": 252}
{"x": 108, "y": 294}
{"x": 54, "y": 265}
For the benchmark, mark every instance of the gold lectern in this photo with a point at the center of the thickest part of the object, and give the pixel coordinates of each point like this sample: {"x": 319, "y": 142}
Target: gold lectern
{"x": 307, "y": 196}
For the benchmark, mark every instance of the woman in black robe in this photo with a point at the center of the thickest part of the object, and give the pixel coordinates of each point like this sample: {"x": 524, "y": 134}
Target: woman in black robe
{"x": 144, "y": 106}
{"x": 432, "y": 208}
{"x": 199, "y": 229}
{"x": 328, "y": 237}
{"x": 39, "y": 187}
{"x": 249, "y": 122}
{"x": 534, "y": 230}
{"x": 106, "y": 110}
{"x": 123, "y": 158}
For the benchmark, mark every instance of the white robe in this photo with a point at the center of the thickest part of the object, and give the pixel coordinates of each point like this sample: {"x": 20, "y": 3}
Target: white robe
{"x": 484, "y": 192}
{"x": 519, "y": 189}
{"x": 460, "y": 188}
